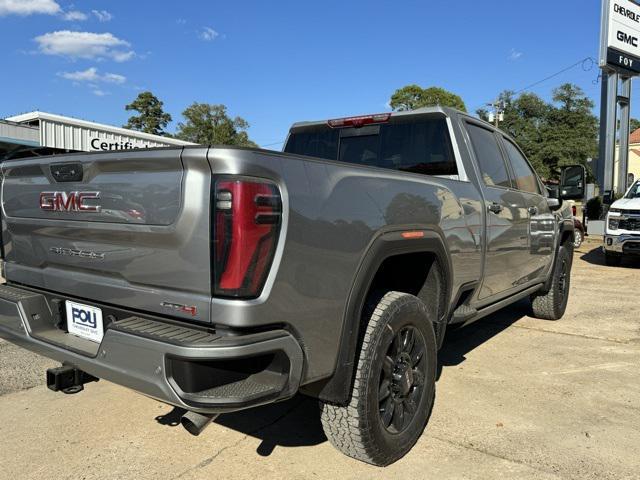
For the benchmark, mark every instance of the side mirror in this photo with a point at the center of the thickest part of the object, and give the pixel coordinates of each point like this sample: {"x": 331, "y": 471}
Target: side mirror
{"x": 553, "y": 199}
{"x": 554, "y": 191}
{"x": 572, "y": 182}
{"x": 554, "y": 204}
{"x": 608, "y": 197}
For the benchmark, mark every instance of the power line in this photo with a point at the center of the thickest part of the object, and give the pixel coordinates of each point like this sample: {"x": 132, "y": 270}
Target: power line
{"x": 272, "y": 144}
{"x": 585, "y": 61}
{"x": 587, "y": 64}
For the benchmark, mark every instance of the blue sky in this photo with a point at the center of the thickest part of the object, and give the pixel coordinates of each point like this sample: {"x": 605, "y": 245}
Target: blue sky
{"x": 277, "y": 62}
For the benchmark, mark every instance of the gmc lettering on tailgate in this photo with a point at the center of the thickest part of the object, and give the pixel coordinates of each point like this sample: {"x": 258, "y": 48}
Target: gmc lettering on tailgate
{"x": 68, "y": 202}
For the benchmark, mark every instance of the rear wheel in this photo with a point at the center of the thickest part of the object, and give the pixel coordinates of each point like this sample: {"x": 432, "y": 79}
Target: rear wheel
{"x": 394, "y": 385}
{"x": 551, "y": 305}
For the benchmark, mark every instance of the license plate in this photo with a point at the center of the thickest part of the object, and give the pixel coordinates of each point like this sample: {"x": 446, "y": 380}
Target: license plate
{"x": 84, "y": 321}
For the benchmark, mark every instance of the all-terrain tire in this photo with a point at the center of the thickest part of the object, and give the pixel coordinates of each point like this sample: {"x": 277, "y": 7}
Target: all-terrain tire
{"x": 552, "y": 304}
{"x": 358, "y": 429}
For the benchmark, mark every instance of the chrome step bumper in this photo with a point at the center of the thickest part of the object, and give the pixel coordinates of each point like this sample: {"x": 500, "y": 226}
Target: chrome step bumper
{"x": 186, "y": 367}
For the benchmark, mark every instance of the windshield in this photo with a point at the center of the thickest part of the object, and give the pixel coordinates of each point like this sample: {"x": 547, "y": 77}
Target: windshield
{"x": 634, "y": 192}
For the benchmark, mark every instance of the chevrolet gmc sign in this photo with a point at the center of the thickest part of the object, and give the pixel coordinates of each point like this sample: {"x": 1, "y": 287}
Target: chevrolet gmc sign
{"x": 620, "y": 37}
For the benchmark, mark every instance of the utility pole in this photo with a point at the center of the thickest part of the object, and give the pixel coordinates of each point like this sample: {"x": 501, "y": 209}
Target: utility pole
{"x": 497, "y": 115}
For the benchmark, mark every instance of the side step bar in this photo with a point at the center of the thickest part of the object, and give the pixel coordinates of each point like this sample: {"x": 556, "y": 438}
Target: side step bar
{"x": 494, "y": 307}
{"x": 464, "y": 313}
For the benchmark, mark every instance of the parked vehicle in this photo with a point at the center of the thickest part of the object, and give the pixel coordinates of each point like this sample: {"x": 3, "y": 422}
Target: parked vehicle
{"x": 224, "y": 278}
{"x": 622, "y": 234}
{"x": 578, "y": 233}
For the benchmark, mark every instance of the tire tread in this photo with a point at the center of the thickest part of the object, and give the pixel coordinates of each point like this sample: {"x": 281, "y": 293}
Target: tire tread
{"x": 548, "y": 305}
{"x": 348, "y": 427}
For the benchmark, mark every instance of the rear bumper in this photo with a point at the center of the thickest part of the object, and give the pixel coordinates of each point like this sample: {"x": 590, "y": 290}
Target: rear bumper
{"x": 188, "y": 368}
{"x": 626, "y": 244}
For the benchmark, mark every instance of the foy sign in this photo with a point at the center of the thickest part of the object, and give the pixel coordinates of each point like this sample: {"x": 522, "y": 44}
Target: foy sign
{"x": 620, "y": 38}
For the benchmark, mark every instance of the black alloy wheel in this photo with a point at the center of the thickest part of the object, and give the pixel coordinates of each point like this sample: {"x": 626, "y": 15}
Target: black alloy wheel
{"x": 402, "y": 380}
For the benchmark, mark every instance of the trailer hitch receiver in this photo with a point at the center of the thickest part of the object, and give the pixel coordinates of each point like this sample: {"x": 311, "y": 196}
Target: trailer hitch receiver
{"x": 68, "y": 379}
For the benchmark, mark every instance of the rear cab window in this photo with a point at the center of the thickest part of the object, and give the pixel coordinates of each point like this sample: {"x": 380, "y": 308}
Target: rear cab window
{"x": 418, "y": 144}
{"x": 320, "y": 142}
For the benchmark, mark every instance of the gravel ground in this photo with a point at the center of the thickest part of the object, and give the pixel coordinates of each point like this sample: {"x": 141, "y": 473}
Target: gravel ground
{"x": 517, "y": 398}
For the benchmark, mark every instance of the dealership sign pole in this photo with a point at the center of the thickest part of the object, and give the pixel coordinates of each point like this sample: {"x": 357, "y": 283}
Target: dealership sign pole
{"x": 620, "y": 62}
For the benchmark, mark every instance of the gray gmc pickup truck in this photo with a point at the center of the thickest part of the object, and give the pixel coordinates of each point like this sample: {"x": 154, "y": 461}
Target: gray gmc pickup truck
{"x": 217, "y": 279}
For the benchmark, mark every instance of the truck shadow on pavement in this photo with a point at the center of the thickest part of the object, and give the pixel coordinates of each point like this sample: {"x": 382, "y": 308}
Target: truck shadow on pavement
{"x": 459, "y": 342}
{"x": 292, "y": 423}
{"x": 596, "y": 257}
{"x": 296, "y": 422}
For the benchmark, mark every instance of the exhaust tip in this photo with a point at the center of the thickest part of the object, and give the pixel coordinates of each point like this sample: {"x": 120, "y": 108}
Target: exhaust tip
{"x": 195, "y": 423}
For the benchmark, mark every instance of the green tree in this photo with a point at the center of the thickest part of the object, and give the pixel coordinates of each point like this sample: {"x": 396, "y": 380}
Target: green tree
{"x": 571, "y": 132}
{"x": 152, "y": 119}
{"x": 412, "y": 97}
{"x": 552, "y": 135}
{"x": 635, "y": 124}
{"x": 209, "y": 124}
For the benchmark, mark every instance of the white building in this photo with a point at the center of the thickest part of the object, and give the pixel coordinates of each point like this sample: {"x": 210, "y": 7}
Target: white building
{"x": 40, "y": 133}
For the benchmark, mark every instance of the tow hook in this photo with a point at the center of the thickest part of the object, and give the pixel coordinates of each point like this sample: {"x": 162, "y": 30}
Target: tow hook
{"x": 68, "y": 379}
{"x": 195, "y": 423}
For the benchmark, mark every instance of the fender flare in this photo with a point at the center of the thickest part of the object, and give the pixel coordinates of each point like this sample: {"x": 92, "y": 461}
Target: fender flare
{"x": 564, "y": 225}
{"x": 337, "y": 389}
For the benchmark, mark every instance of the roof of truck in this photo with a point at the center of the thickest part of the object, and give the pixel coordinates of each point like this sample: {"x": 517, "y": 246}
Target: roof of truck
{"x": 419, "y": 111}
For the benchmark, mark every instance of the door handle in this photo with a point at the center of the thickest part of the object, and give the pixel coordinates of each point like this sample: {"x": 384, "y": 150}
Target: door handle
{"x": 495, "y": 208}
{"x": 533, "y": 210}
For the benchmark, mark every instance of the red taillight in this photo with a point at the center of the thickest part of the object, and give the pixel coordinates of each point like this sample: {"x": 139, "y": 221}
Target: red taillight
{"x": 359, "y": 121}
{"x": 245, "y": 233}
{"x": 574, "y": 209}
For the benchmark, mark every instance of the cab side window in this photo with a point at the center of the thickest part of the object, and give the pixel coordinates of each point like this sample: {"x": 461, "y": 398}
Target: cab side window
{"x": 490, "y": 160}
{"x": 525, "y": 177}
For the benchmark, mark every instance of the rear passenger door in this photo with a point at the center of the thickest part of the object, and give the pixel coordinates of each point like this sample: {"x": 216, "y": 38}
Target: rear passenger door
{"x": 542, "y": 223}
{"x": 506, "y": 255}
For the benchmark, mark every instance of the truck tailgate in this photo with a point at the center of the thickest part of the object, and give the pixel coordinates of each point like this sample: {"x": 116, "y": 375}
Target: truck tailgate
{"x": 127, "y": 228}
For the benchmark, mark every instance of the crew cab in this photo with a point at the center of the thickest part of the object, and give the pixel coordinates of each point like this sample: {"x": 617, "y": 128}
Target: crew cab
{"x": 217, "y": 279}
{"x": 622, "y": 228}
